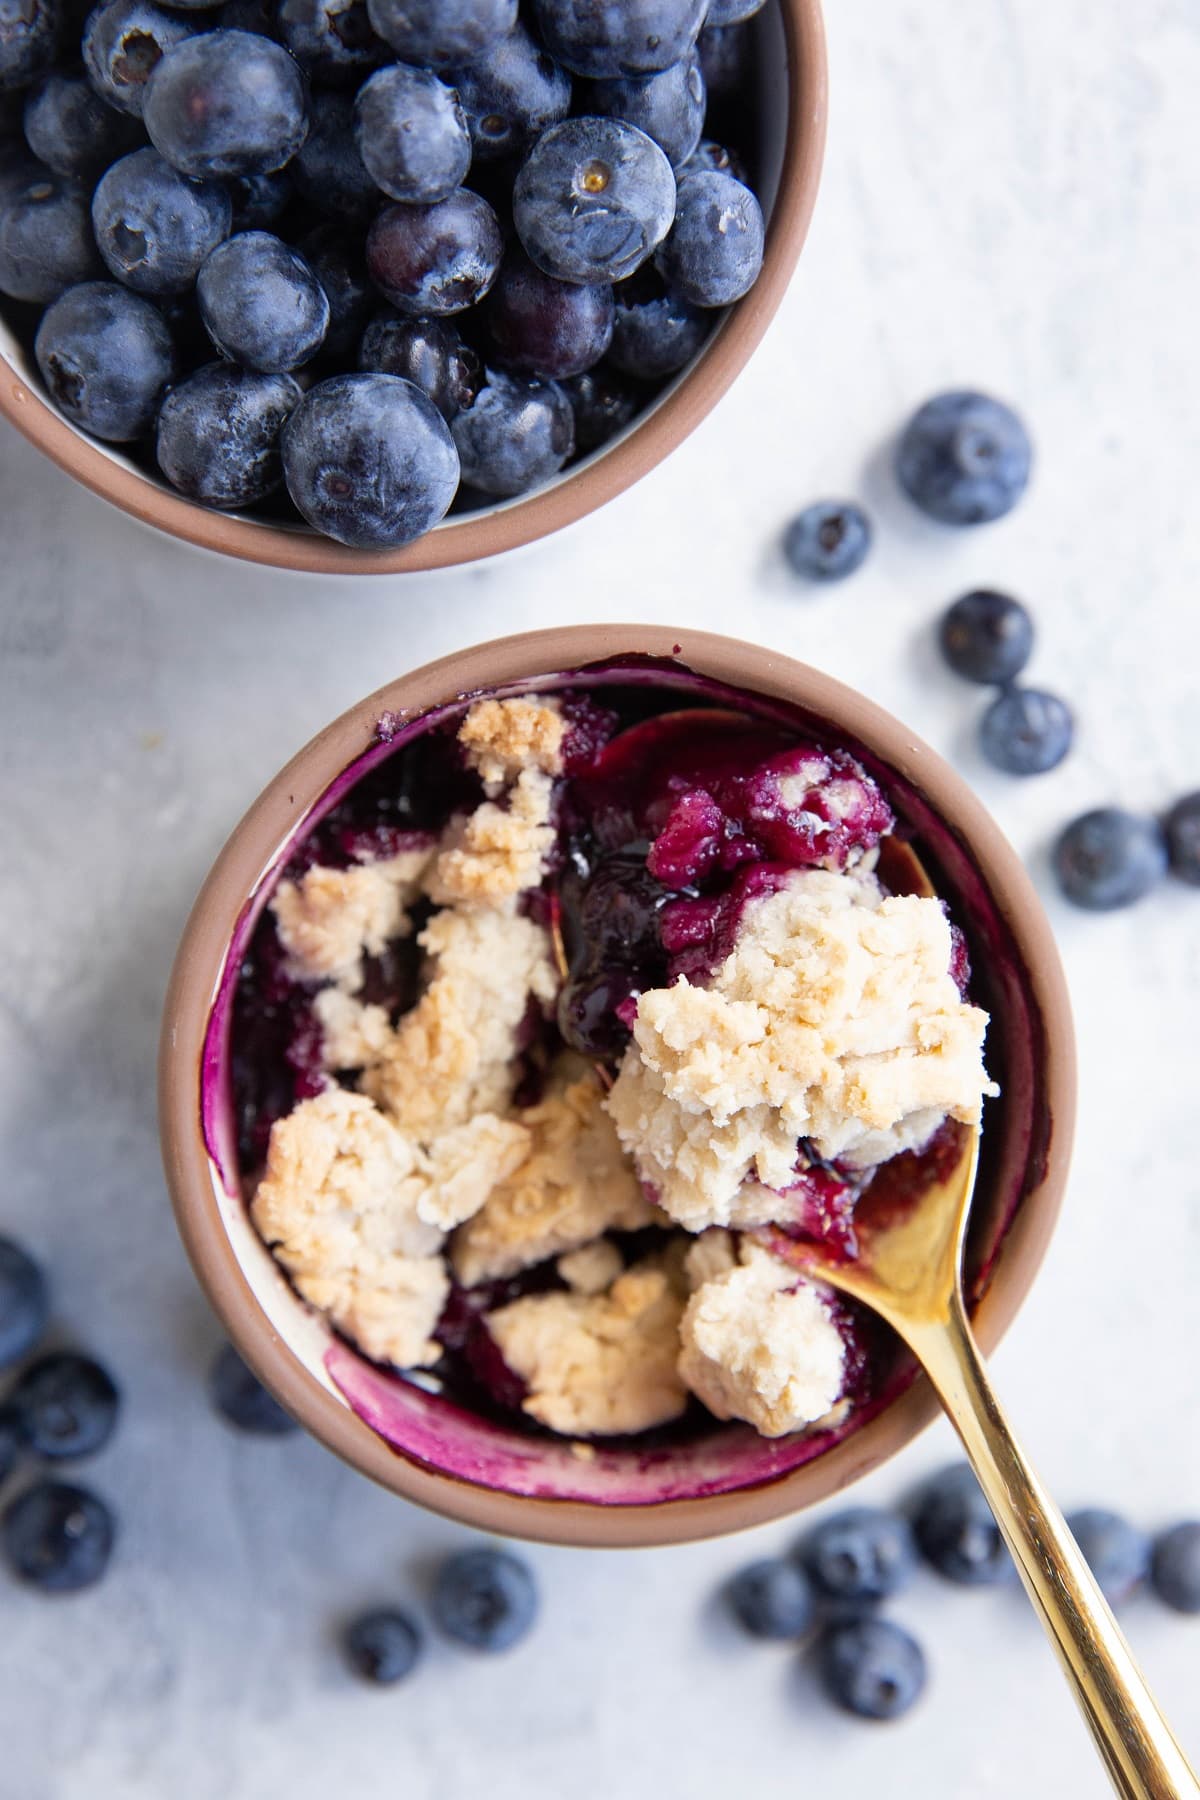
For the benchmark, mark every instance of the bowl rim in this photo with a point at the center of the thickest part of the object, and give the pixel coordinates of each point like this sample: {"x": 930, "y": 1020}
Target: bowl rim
{"x": 248, "y": 858}
{"x": 601, "y": 478}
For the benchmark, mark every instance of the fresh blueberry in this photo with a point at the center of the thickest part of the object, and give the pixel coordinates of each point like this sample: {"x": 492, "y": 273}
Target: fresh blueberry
{"x": 594, "y": 200}
{"x": 259, "y": 201}
{"x": 603, "y": 403}
{"x": 861, "y": 1555}
{"x": 226, "y": 103}
{"x": 964, "y": 459}
{"x": 730, "y": 12}
{"x": 412, "y": 134}
{"x": 1183, "y": 839}
{"x": 828, "y": 540}
{"x": 106, "y": 358}
{"x": 328, "y": 169}
{"x": 369, "y": 461}
{"x": 442, "y": 33}
{"x": 541, "y": 326}
{"x": 58, "y": 1537}
{"x": 1109, "y": 858}
{"x": 433, "y": 260}
{"x": 332, "y": 40}
{"x": 12, "y": 1441}
{"x": 1175, "y": 1567}
{"x": 68, "y": 1405}
{"x": 516, "y": 434}
{"x": 872, "y": 1668}
{"x": 669, "y": 106}
{"x": 772, "y": 1598}
{"x": 337, "y": 262}
{"x": 1116, "y": 1552}
{"x": 486, "y": 1599}
{"x": 29, "y": 32}
{"x": 638, "y": 37}
{"x": 987, "y": 637}
{"x": 724, "y": 52}
{"x": 261, "y": 304}
{"x": 218, "y": 440}
{"x": 709, "y": 158}
{"x": 1026, "y": 731}
{"x": 46, "y": 242}
{"x": 429, "y": 353}
{"x": 510, "y": 95}
{"x": 237, "y": 1393}
{"x": 655, "y": 332}
{"x": 382, "y": 1646}
{"x": 956, "y": 1533}
{"x": 73, "y": 131}
{"x": 24, "y": 1302}
{"x": 153, "y": 226}
{"x": 123, "y": 43}
{"x": 715, "y": 250}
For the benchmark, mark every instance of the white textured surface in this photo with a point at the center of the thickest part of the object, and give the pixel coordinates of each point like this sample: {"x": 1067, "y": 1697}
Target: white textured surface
{"x": 1011, "y": 201}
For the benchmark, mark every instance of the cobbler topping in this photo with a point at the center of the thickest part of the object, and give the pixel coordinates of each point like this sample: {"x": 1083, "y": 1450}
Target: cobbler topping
{"x": 505, "y": 739}
{"x": 592, "y": 1268}
{"x": 495, "y": 853}
{"x": 331, "y": 918}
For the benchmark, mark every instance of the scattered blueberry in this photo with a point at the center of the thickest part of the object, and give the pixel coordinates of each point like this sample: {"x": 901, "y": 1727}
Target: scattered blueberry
{"x": 24, "y": 1302}
{"x": 669, "y": 106}
{"x": 332, "y": 40}
{"x": 637, "y": 37}
{"x": 12, "y": 1441}
{"x": 486, "y": 1599}
{"x": 428, "y": 352}
{"x": 1116, "y": 1552}
{"x": 655, "y": 331}
{"x": 603, "y": 404}
{"x": 872, "y": 1668}
{"x": 259, "y": 201}
{"x": 546, "y": 327}
{"x": 435, "y": 259}
{"x": 1109, "y": 858}
{"x": 964, "y": 459}
{"x": 442, "y": 33}
{"x": 226, "y": 103}
{"x": 68, "y": 1405}
{"x": 237, "y": 1393}
{"x": 511, "y": 94}
{"x": 956, "y": 1533}
{"x": 339, "y": 266}
{"x": 123, "y": 43}
{"x": 107, "y": 358}
{"x": 71, "y": 129}
{"x": 715, "y": 249}
{"x": 28, "y": 41}
{"x": 987, "y": 637}
{"x": 328, "y": 169}
{"x": 261, "y": 304}
{"x": 828, "y": 540}
{"x": 153, "y": 227}
{"x": 58, "y": 1537}
{"x": 517, "y": 433}
{"x": 46, "y": 242}
{"x": 382, "y": 1646}
{"x": 862, "y": 1555}
{"x": 1175, "y": 1567}
{"x": 1183, "y": 839}
{"x": 772, "y": 1598}
{"x": 1026, "y": 731}
{"x": 412, "y": 134}
{"x": 593, "y": 200}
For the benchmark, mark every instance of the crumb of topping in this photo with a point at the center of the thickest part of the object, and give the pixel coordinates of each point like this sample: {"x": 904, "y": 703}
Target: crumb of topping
{"x": 711, "y": 1254}
{"x": 761, "y": 1346}
{"x": 465, "y": 1164}
{"x": 488, "y": 857}
{"x": 331, "y": 918}
{"x": 503, "y": 738}
{"x": 597, "y": 1364}
{"x": 574, "y": 1185}
{"x": 353, "y": 1036}
{"x": 835, "y": 1017}
{"x": 592, "y": 1268}
{"x": 583, "y": 1452}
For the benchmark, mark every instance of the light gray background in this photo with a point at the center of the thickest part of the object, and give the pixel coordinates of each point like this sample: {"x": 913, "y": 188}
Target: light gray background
{"x": 1011, "y": 200}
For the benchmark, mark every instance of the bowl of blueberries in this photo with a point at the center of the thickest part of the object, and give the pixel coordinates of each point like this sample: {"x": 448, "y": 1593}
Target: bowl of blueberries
{"x": 360, "y": 286}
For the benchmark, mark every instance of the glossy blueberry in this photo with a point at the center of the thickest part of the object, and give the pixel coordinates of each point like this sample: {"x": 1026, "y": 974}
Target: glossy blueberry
{"x": 486, "y": 1599}
{"x": 593, "y": 200}
{"x": 1026, "y": 731}
{"x": 218, "y": 443}
{"x": 956, "y": 1533}
{"x": 1116, "y": 1552}
{"x": 510, "y": 95}
{"x": 986, "y": 637}
{"x": 261, "y": 304}
{"x": 655, "y": 332}
{"x": 434, "y": 260}
{"x": 1182, "y": 827}
{"x": 541, "y": 326}
{"x": 772, "y": 1598}
{"x": 259, "y": 201}
{"x": 1175, "y": 1567}
{"x": 517, "y": 433}
{"x": 725, "y": 61}
{"x": 337, "y": 262}
{"x": 715, "y": 250}
{"x": 123, "y": 43}
{"x": 24, "y": 1302}
{"x": 429, "y": 353}
{"x": 107, "y": 358}
{"x": 29, "y": 33}
{"x": 603, "y": 403}
{"x": 1109, "y": 858}
{"x": 153, "y": 227}
{"x": 68, "y": 1405}
{"x": 237, "y": 1393}
{"x": 964, "y": 459}
{"x": 369, "y": 461}
{"x": 730, "y": 12}
{"x": 828, "y": 540}
{"x": 328, "y": 169}
{"x": 412, "y": 134}
{"x": 73, "y": 130}
{"x": 637, "y": 37}
{"x": 226, "y": 103}
{"x": 872, "y": 1668}
{"x": 861, "y": 1555}
{"x": 383, "y": 1646}
{"x": 332, "y": 40}
{"x": 58, "y": 1537}
{"x": 669, "y": 106}
{"x": 440, "y": 34}
{"x": 12, "y": 1441}
{"x": 46, "y": 242}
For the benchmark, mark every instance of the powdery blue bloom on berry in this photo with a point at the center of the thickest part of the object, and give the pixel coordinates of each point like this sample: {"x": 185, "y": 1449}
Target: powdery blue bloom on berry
{"x": 1109, "y": 858}
{"x": 226, "y": 103}
{"x": 637, "y": 37}
{"x": 715, "y": 250}
{"x": 261, "y": 304}
{"x": 107, "y": 358}
{"x": 442, "y": 33}
{"x": 434, "y": 260}
{"x": 594, "y": 199}
{"x": 511, "y": 94}
{"x": 964, "y": 459}
{"x": 669, "y": 106}
{"x": 153, "y": 227}
{"x": 516, "y": 435}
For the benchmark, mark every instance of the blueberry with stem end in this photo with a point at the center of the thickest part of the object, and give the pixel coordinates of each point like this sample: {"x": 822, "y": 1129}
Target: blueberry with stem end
{"x": 1026, "y": 731}
{"x": 987, "y": 637}
{"x": 964, "y": 459}
{"x": 435, "y": 260}
{"x": 153, "y": 226}
{"x": 956, "y": 1533}
{"x": 486, "y": 1599}
{"x": 428, "y": 352}
{"x": 872, "y": 1668}
{"x": 123, "y": 43}
{"x": 332, "y": 40}
{"x": 593, "y": 200}
{"x": 509, "y": 95}
{"x": 68, "y": 1405}
{"x": 383, "y": 1646}
{"x": 29, "y": 34}
{"x": 46, "y": 241}
{"x": 860, "y": 1556}
{"x": 1109, "y": 858}
{"x": 828, "y": 541}
{"x": 715, "y": 249}
{"x": 772, "y": 1599}
{"x": 107, "y": 359}
{"x": 655, "y": 332}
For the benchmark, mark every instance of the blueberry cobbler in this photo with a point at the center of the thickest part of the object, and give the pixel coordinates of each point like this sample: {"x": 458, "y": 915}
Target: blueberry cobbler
{"x": 556, "y": 1029}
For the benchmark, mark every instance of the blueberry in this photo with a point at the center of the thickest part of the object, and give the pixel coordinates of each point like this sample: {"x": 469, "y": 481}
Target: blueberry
{"x": 369, "y": 460}
{"x": 987, "y": 637}
{"x": 155, "y": 228}
{"x": 1175, "y": 1567}
{"x": 715, "y": 250}
{"x": 1116, "y": 1552}
{"x": 516, "y": 434}
{"x": 510, "y": 95}
{"x": 107, "y": 359}
{"x": 1026, "y": 731}
{"x": 669, "y": 106}
{"x": 964, "y": 459}
{"x": 58, "y": 1537}
{"x": 593, "y": 200}
{"x": 332, "y": 40}
{"x": 442, "y": 33}
{"x": 429, "y": 353}
{"x": 73, "y": 131}
{"x": 861, "y": 1555}
{"x": 337, "y": 262}
{"x": 828, "y": 540}
{"x": 655, "y": 332}
{"x": 1109, "y": 858}
{"x": 226, "y": 103}
{"x": 29, "y": 32}
{"x": 382, "y": 1646}
{"x": 328, "y": 169}
{"x": 709, "y": 158}
{"x": 433, "y": 260}
{"x": 12, "y": 1441}
{"x": 603, "y": 403}
{"x": 486, "y": 1599}
{"x": 772, "y": 1598}
{"x": 1183, "y": 839}
{"x": 261, "y": 304}
{"x": 46, "y": 242}
{"x": 412, "y": 134}
{"x": 218, "y": 439}
{"x": 730, "y": 12}
{"x": 259, "y": 201}
{"x": 123, "y": 42}
{"x": 872, "y": 1668}
{"x": 637, "y": 37}
{"x": 956, "y": 1533}
{"x": 68, "y": 1405}
{"x": 724, "y": 52}
{"x": 541, "y": 326}
{"x": 237, "y": 1393}
{"x": 24, "y": 1302}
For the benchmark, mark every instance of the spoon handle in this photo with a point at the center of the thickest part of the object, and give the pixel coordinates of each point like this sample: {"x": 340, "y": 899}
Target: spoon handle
{"x": 1135, "y": 1742}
